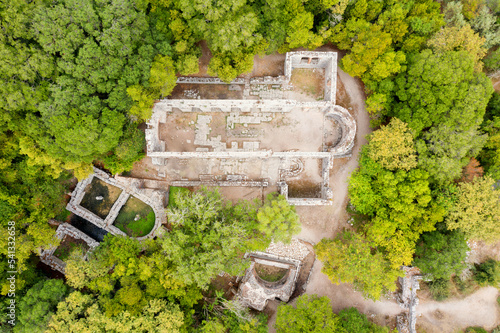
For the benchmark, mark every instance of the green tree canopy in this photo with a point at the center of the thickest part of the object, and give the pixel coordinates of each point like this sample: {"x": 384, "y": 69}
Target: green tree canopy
{"x": 354, "y": 321}
{"x": 127, "y": 274}
{"x": 399, "y": 205}
{"x": 39, "y": 304}
{"x": 349, "y": 258}
{"x": 490, "y": 155}
{"x": 441, "y": 89}
{"x": 82, "y": 313}
{"x": 477, "y": 210}
{"x": 441, "y": 253}
{"x": 210, "y": 236}
{"x": 310, "y": 314}
{"x": 392, "y": 146}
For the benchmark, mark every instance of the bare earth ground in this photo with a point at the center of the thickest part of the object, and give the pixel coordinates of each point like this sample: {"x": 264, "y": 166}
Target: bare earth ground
{"x": 478, "y": 309}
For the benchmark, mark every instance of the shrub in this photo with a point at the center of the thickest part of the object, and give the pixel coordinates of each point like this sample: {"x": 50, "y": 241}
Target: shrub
{"x": 487, "y": 273}
{"x": 440, "y": 289}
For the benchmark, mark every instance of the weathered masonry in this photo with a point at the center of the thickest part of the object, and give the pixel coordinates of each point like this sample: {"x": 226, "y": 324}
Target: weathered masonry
{"x": 269, "y": 136}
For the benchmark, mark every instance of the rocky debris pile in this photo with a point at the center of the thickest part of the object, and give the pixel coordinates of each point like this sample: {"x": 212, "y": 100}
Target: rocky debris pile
{"x": 295, "y": 250}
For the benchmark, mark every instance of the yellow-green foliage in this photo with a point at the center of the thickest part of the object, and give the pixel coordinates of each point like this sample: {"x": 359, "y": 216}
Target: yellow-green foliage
{"x": 349, "y": 259}
{"x": 162, "y": 81}
{"x": 392, "y": 146}
{"x": 477, "y": 210}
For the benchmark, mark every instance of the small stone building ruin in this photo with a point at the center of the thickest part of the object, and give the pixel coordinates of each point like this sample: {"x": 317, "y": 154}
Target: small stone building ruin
{"x": 254, "y": 291}
{"x": 47, "y": 256}
{"x": 266, "y": 137}
{"x": 155, "y": 199}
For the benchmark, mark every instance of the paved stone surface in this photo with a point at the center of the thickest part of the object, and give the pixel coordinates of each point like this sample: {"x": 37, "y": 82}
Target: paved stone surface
{"x": 295, "y": 250}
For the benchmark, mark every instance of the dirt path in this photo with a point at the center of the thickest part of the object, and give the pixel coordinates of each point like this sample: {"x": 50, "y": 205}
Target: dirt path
{"x": 478, "y": 309}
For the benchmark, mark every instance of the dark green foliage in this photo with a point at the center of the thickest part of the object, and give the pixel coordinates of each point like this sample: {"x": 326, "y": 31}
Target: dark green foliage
{"x": 63, "y": 215}
{"x": 200, "y": 218}
{"x": 210, "y": 235}
{"x": 314, "y": 314}
{"x": 492, "y": 61}
{"x": 441, "y": 253}
{"x": 443, "y": 100}
{"x": 399, "y": 204}
{"x": 487, "y": 273}
{"x": 354, "y": 321}
{"x": 466, "y": 286}
{"x": 231, "y": 316}
{"x": 441, "y": 89}
{"x": 128, "y": 151}
{"x": 84, "y": 115}
{"x": 490, "y": 155}
{"x": 39, "y": 304}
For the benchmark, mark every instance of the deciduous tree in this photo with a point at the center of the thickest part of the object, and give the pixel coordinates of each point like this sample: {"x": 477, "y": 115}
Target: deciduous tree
{"x": 310, "y": 314}
{"x": 392, "y": 146}
{"x": 39, "y": 304}
{"x": 441, "y": 253}
{"x": 349, "y": 258}
{"x": 477, "y": 210}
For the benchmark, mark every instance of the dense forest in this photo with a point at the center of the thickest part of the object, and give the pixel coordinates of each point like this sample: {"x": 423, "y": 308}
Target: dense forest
{"x": 77, "y": 78}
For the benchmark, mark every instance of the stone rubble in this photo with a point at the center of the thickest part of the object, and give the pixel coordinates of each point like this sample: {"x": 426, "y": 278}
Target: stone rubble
{"x": 295, "y": 250}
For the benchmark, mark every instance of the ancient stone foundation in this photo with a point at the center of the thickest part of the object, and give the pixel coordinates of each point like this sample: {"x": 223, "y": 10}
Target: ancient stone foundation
{"x": 255, "y": 292}
{"x": 250, "y": 111}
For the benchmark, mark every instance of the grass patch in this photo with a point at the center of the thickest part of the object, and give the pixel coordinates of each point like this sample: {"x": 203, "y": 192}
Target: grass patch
{"x": 270, "y": 273}
{"x": 136, "y": 218}
{"x": 98, "y": 188}
{"x": 172, "y": 194}
{"x": 70, "y": 245}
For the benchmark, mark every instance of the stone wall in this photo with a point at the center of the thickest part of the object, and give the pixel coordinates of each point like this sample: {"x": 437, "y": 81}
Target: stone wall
{"x": 326, "y": 60}
{"x": 207, "y": 80}
{"x": 348, "y": 126}
{"x": 408, "y": 300}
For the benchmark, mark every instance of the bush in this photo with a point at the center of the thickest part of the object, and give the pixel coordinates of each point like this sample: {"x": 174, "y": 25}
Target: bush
{"x": 492, "y": 61}
{"x": 173, "y": 192}
{"x": 475, "y": 330}
{"x": 487, "y": 273}
{"x": 465, "y": 287}
{"x": 440, "y": 289}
